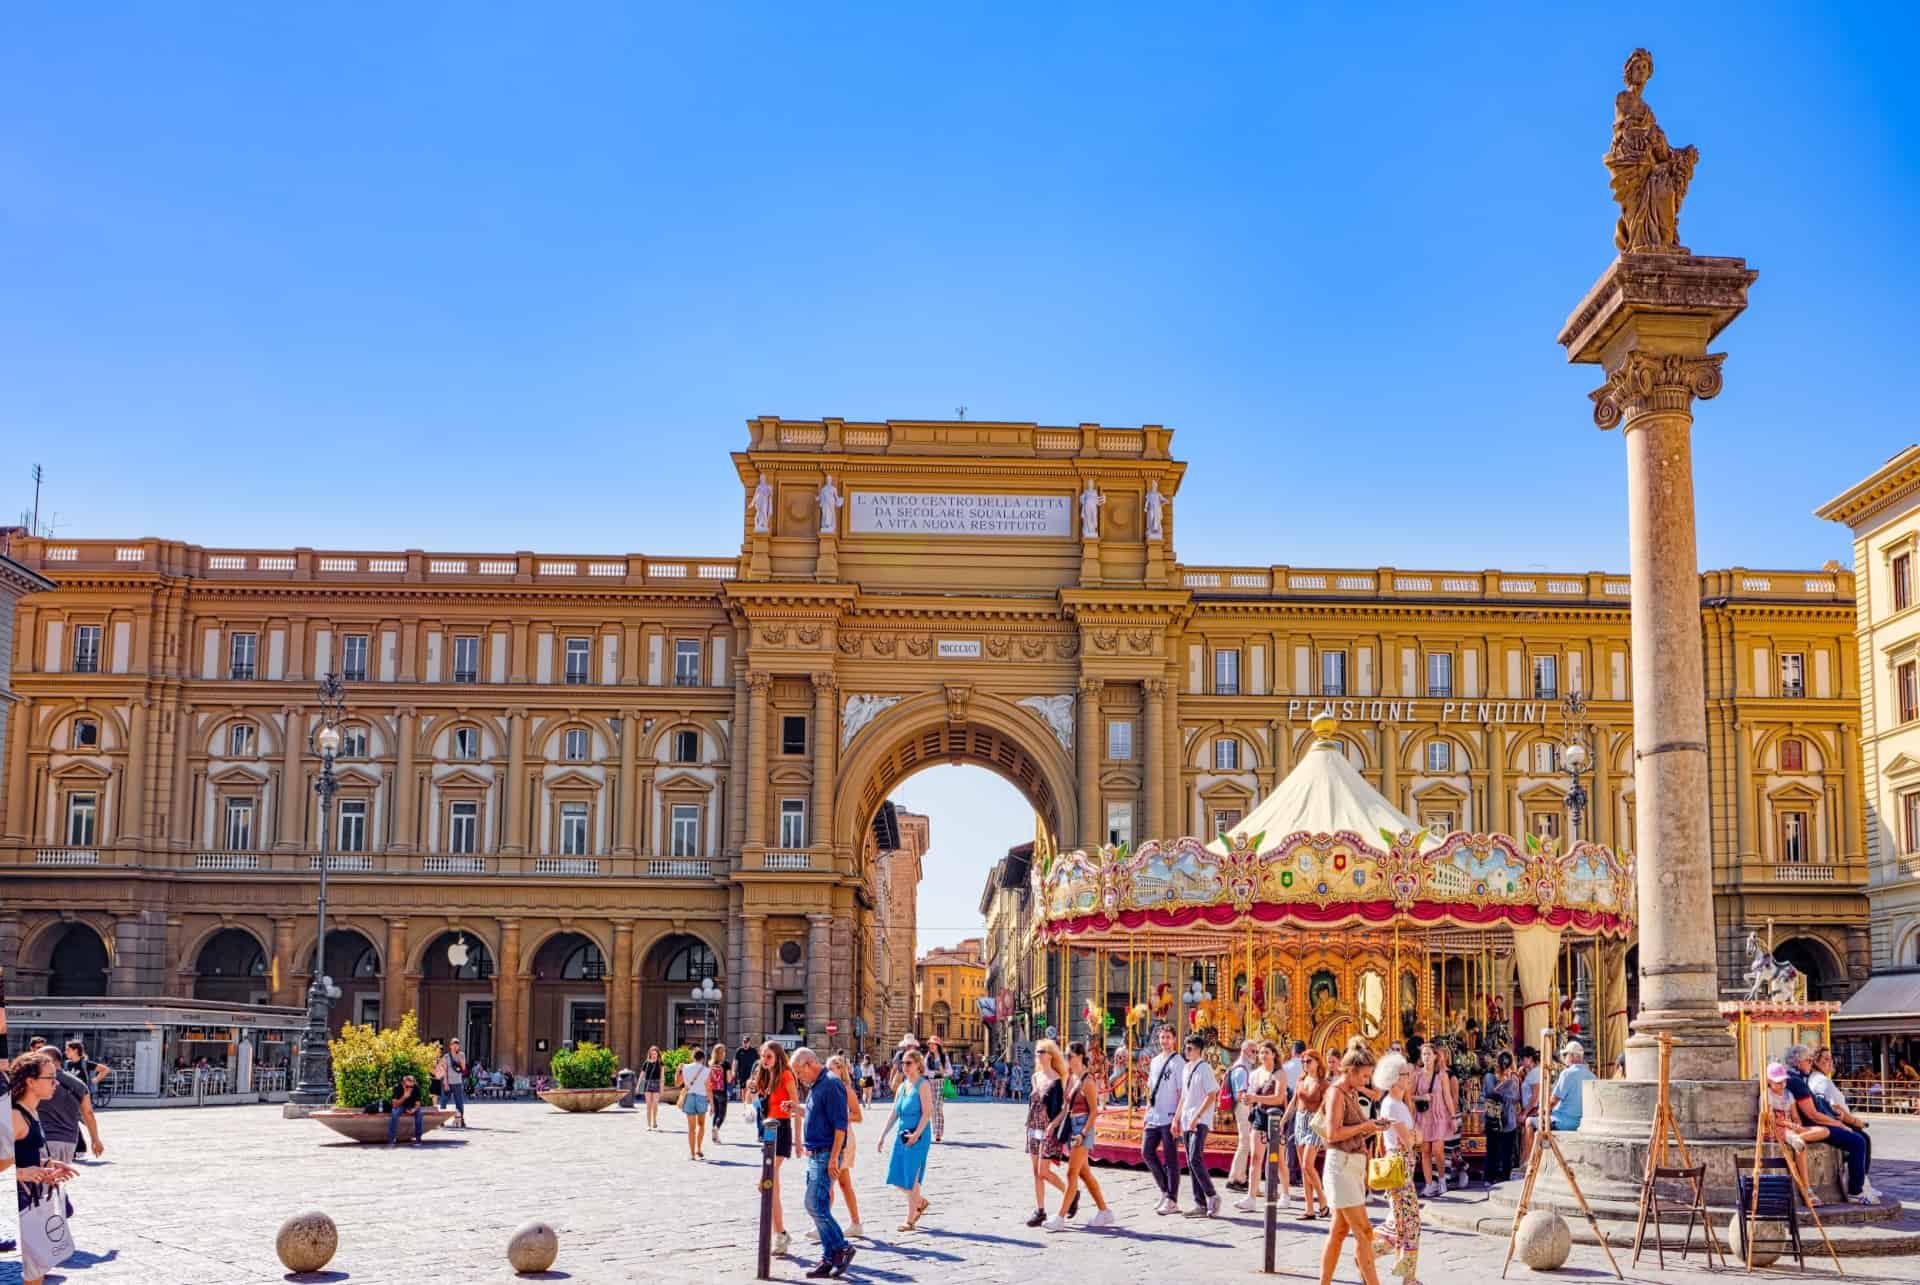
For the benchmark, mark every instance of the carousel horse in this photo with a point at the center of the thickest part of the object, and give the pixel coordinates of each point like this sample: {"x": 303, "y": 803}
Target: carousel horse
{"x": 1777, "y": 979}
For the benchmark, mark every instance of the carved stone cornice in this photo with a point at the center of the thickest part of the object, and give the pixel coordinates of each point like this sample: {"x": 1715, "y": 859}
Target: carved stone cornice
{"x": 1642, "y": 383}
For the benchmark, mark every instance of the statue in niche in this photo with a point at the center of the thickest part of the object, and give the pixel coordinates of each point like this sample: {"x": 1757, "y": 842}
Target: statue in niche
{"x": 1090, "y": 502}
{"x": 1155, "y": 503}
{"x": 762, "y": 504}
{"x": 1650, "y": 177}
{"x": 830, "y": 502}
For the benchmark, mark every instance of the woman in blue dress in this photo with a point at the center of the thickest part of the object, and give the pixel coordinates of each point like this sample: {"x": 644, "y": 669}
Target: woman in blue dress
{"x": 913, "y": 1109}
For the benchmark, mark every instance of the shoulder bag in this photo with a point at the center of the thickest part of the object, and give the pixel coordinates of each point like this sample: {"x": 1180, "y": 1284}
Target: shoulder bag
{"x": 1386, "y": 1170}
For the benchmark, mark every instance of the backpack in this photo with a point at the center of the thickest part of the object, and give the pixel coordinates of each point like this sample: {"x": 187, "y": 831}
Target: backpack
{"x": 1227, "y": 1096}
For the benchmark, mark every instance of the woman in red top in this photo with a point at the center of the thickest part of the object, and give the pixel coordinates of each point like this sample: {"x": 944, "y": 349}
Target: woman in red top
{"x": 773, "y": 1090}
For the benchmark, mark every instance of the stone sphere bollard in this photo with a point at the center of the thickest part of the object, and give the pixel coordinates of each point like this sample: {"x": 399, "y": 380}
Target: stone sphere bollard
{"x": 1768, "y": 1242}
{"x": 306, "y": 1241}
{"x": 533, "y": 1248}
{"x": 1544, "y": 1241}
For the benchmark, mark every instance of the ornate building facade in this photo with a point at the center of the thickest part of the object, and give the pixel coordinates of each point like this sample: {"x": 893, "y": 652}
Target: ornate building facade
{"x": 948, "y": 984}
{"x": 612, "y": 776}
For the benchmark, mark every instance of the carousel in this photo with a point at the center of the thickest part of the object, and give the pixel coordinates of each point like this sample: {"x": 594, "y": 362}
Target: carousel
{"x": 1329, "y": 914}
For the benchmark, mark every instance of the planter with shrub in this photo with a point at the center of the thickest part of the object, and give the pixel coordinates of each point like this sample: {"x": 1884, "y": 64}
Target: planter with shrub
{"x": 584, "y": 1075}
{"x": 368, "y": 1066}
{"x": 670, "y": 1063}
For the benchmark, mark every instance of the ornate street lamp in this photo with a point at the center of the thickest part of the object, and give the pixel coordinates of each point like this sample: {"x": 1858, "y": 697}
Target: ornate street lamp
{"x": 316, "y": 1063}
{"x": 707, "y": 995}
{"x": 1576, "y": 756}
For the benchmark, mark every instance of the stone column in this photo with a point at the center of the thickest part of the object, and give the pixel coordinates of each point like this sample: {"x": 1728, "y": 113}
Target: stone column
{"x": 1153, "y": 762}
{"x": 133, "y": 792}
{"x": 620, "y": 994}
{"x": 758, "y": 683}
{"x": 819, "y": 976}
{"x": 180, "y": 822}
{"x": 826, "y": 755}
{"x": 509, "y": 1022}
{"x": 750, "y": 981}
{"x": 624, "y": 831}
{"x": 1746, "y": 845}
{"x": 393, "y": 975}
{"x": 737, "y": 775}
{"x": 289, "y": 806}
{"x": 1849, "y": 743}
{"x": 285, "y": 989}
{"x": 20, "y": 722}
{"x": 1647, "y": 322}
{"x": 405, "y": 805}
{"x": 516, "y": 805}
{"x": 1093, "y": 824}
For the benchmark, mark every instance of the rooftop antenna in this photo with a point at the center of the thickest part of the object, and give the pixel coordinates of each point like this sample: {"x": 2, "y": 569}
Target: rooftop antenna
{"x": 38, "y": 474}
{"x": 960, "y": 412}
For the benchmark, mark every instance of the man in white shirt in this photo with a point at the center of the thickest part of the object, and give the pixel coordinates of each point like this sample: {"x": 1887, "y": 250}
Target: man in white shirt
{"x": 1199, "y": 1095}
{"x": 1239, "y": 1080}
{"x": 1157, "y": 1144}
{"x": 1293, "y": 1068}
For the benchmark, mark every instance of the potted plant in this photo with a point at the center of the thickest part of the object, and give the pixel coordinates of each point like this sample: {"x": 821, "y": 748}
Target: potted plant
{"x": 670, "y": 1063}
{"x": 368, "y": 1066}
{"x": 585, "y": 1076}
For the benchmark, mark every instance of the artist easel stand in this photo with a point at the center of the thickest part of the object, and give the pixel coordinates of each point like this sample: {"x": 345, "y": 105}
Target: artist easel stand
{"x": 1664, "y": 1126}
{"x": 1543, "y": 1142}
{"x": 1761, "y": 1132}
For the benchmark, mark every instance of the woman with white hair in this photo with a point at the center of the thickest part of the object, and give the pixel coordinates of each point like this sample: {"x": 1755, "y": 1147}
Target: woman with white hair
{"x": 1401, "y": 1233}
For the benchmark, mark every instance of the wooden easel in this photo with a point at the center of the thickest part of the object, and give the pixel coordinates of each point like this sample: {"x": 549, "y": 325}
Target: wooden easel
{"x": 1762, "y": 1131}
{"x": 1665, "y": 1126}
{"x": 1543, "y": 1142}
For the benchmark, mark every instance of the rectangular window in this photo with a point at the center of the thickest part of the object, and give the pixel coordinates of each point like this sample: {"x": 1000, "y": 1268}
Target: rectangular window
{"x": 1333, "y": 673}
{"x": 1793, "y": 837}
{"x": 353, "y": 658}
{"x": 239, "y": 825}
{"x": 240, "y": 740}
{"x": 793, "y": 734}
{"x": 1224, "y": 819}
{"x": 1546, "y": 757}
{"x": 1120, "y": 823}
{"x": 466, "y": 658}
{"x": 686, "y": 662}
{"x": 686, "y": 830}
{"x": 83, "y": 816}
{"x": 579, "y": 653}
{"x": 576, "y": 745}
{"x": 1439, "y": 756}
{"x": 793, "y": 823}
{"x": 573, "y": 829}
{"x": 1120, "y": 740}
{"x": 466, "y": 742}
{"x": 353, "y": 825}
{"x": 1546, "y": 677}
{"x": 1441, "y": 823}
{"x": 1226, "y": 754}
{"x": 1544, "y": 825}
{"x": 1910, "y": 813}
{"x": 463, "y": 827}
{"x": 1793, "y": 674}
{"x": 353, "y": 743}
{"x": 1439, "y": 674}
{"x": 1793, "y": 755}
{"x": 1226, "y": 673}
{"x": 86, "y": 733}
{"x": 242, "y": 657}
{"x": 1907, "y": 684}
{"x": 686, "y": 746}
{"x": 1902, "y": 582}
{"x": 86, "y": 649}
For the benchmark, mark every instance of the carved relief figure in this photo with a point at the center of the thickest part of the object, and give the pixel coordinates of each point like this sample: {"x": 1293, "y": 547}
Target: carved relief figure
{"x": 1155, "y": 502}
{"x": 1650, "y": 178}
{"x": 762, "y": 505}
{"x": 1090, "y": 502}
{"x": 830, "y": 502}
{"x": 861, "y": 710}
{"x": 1056, "y": 712}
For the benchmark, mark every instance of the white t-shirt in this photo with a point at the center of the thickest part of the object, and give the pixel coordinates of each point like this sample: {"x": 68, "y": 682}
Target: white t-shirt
{"x": 1167, "y": 1101}
{"x": 1197, "y": 1080}
{"x": 1293, "y": 1070}
{"x": 693, "y": 1077}
{"x": 1398, "y": 1112}
{"x": 1530, "y": 1093}
{"x": 1821, "y": 1083}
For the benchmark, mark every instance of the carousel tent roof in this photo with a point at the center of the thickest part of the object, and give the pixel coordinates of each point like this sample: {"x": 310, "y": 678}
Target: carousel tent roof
{"x": 1324, "y": 794}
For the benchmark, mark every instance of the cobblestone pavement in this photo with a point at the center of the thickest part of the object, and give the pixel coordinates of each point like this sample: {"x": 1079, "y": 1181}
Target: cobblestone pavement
{"x": 195, "y": 1196}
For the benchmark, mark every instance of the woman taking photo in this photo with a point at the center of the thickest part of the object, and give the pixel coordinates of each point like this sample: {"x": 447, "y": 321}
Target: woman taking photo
{"x": 1307, "y": 1100}
{"x": 773, "y": 1089}
{"x": 34, "y": 1078}
{"x": 1401, "y": 1233}
{"x": 912, "y": 1139}
{"x": 1501, "y": 1096}
{"x": 1436, "y": 1105}
{"x": 1044, "y": 1106}
{"x": 844, "y": 1073}
{"x": 1348, "y": 1133}
{"x": 652, "y": 1071}
{"x": 1267, "y": 1093}
{"x": 1082, "y": 1100}
{"x": 717, "y": 1087}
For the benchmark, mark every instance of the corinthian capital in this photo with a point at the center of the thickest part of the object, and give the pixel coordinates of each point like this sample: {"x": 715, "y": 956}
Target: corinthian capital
{"x": 826, "y": 682}
{"x": 1644, "y": 382}
{"x": 759, "y": 680}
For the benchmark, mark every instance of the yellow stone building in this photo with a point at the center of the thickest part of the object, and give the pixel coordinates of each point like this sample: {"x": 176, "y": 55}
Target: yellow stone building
{"x": 949, "y": 981}
{"x": 614, "y": 775}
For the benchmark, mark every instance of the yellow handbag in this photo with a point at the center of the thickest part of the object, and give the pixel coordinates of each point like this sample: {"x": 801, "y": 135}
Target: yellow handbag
{"x": 1386, "y": 1171}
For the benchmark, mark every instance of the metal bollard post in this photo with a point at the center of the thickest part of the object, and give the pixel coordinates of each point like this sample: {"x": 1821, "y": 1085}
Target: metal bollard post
{"x": 1270, "y": 1146}
{"x": 769, "y": 1130}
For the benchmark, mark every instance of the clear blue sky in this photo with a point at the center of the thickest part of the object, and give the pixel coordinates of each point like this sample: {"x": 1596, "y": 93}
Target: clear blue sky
{"x": 500, "y": 277}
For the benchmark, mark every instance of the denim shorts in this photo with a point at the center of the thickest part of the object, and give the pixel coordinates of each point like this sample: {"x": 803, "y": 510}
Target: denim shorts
{"x": 694, "y": 1104}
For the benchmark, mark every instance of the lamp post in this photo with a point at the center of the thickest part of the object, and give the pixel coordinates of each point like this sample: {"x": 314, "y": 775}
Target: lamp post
{"x": 1576, "y": 756}
{"x": 707, "y": 995}
{"x": 316, "y": 1069}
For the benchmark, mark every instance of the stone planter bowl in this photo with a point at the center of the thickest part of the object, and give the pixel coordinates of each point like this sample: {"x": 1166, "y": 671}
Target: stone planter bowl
{"x": 361, "y": 1127}
{"x": 582, "y": 1099}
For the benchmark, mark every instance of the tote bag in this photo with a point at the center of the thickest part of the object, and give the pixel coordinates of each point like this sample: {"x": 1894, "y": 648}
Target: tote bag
{"x": 46, "y": 1241}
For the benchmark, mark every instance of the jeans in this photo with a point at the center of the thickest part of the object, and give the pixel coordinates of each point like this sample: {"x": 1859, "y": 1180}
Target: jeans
{"x": 393, "y": 1124}
{"x": 1163, "y": 1160}
{"x": 454, "y": 1095}
{"x": 1196, "y": 1143}
{"x": 1502, "y": 1146}
{"x": 1858, "y": 1155}
{"x": 820, "y": 1206}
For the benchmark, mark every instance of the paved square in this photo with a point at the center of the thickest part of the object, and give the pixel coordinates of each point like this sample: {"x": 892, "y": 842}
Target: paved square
{"x": 195, "y": 1196}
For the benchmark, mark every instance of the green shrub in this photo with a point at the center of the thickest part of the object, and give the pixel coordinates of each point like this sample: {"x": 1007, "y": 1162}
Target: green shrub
{"x": 586, "y": 1066}
{"x": 670, "y": 1063}
{"x": 369, "y": 1064}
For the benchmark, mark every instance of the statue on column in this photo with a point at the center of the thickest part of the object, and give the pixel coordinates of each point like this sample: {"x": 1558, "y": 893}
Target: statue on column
{"x": 1155, "y": 503}
{"x": 1650, "y": 177}
{"x": 1090, "y": 502}
{"x": 830, "y": 502}
{"x": 762, "y": 504}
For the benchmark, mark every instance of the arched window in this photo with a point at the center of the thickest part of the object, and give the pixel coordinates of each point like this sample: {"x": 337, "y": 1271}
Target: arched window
{"x": 353, "y": 742}
{"x": 574, "y": 745}
{"x": 693, "y": 962}
{"x": 466, "y": 742}
{"x": 584, "y": 964}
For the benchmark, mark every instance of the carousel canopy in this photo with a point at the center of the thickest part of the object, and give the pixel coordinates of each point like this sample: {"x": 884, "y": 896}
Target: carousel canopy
{"x": 1324, "y": 794}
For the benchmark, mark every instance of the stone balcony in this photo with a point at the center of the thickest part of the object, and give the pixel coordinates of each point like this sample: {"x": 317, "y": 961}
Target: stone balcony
{"x": 430, "y": 864}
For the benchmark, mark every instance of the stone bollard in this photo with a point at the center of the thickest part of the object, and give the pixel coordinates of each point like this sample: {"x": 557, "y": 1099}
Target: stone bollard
{"x": 1544, "y": 1240}
{"x": 533, "y": 1248}
{"x": 1769, "y": 1241}
{"x": 306, "y": 1241}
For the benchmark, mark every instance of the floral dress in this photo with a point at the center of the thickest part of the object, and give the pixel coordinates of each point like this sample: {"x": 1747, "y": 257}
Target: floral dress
{"x": 1043, "y": 1105}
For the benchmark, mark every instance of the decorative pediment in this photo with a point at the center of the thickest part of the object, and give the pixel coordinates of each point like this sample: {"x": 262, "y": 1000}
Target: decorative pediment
{"x": 1545, "y": 794}
{"x": 462, "y": 779}
{"x": 572, "y": 779}
{"x": 791, "y": 774}
{"x": 236, "y": 774}
{"x": 80, "y": 771}
{"x": 1439, "y": 792}
{"x": 1903, "y": 766}
{"x": 357, "y": 778}
{"x": 1792, "y": 793}
{"x": 682, "y": 783}
{"x": 1227, "y": 792}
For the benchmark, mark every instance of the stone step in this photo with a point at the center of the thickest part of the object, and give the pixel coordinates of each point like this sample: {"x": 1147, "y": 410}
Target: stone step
{"x": 1855, "y": 1230}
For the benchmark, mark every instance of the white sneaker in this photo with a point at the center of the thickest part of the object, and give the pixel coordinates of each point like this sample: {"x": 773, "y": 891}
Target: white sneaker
{"x": 1443, "y": 1185}
{"x": 1794, "y": 1141}
{"x": 1868, "y": 1190}
{"x": 1055, "y": 1223}
{"x": 1244, "y": 1204}
{"x": 1286, "y": 1200}
{"x": 1104, "y": 1218}
{"x": 856, "y": 1232}
{"x": 1213, "y": 1206}
{"x": 1166, "y": 1206}
{"x": 780, "y": 1242}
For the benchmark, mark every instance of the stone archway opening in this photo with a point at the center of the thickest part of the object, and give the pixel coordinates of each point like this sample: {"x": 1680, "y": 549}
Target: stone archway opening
{"x": 232, "y": 968}
{"x": 77, "y": 962}
{"x": 457, "y": 1000}
{"x": 354, "y": 965}
{"x": 568, "y": 997}
{"x": 963, "y": 744}
{"x": 1815, "y": 960}
{"x": 669, "y": 1015}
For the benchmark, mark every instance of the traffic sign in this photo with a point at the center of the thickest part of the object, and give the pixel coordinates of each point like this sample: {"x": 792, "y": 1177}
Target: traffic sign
{"x": 833, "y": 1028}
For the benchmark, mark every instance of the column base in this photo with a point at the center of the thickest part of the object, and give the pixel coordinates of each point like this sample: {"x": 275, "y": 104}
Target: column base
{"x": 1702, "y": 1048}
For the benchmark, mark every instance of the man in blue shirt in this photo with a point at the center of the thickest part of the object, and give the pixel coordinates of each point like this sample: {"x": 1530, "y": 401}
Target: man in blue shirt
{"x": 824, "y": 1135}
{"x": 1569, "y": 1090}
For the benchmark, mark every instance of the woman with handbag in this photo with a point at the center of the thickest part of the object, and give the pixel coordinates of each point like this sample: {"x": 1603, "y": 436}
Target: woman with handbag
{"x": 1436, "y": 1104}
{"x": 1075, "y": 1126}
{"x": 1342, "y": 1121}
{"x": 913, "y": 1110}
{"x": 1267, "y": 1094}
{"x": 1390, "y": 1172}
{"x": 1044, "y": 1106}
{"x": 773, "y": 1090}
{"x": 1306, "y": 1102}
{"x": 33, "y": 1079}
{"x": 652, "y": 1072}
{"x": 717, "y": 1087}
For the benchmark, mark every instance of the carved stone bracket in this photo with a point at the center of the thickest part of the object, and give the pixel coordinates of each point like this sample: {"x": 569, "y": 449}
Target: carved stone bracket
{"x": 1645, "y": 382}
{"x": 958, "y": 694}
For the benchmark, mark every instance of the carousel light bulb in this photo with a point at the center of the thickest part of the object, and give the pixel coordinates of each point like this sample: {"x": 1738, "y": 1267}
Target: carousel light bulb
{"x": 1575, "y": 757}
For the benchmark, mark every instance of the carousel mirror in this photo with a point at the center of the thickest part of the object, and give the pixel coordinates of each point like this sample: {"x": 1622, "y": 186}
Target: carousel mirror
{"x": 1373, "y": 1004}
{"x": 1409, "y": 1005}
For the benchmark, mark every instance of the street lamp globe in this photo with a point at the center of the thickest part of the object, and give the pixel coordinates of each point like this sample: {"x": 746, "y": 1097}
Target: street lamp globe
{"x": 327, "y": 739}
{"x": 1575, "y": 757}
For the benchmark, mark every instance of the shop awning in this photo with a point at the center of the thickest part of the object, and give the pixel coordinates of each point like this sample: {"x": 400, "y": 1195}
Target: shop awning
{"x": 1889, "y": 1004}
